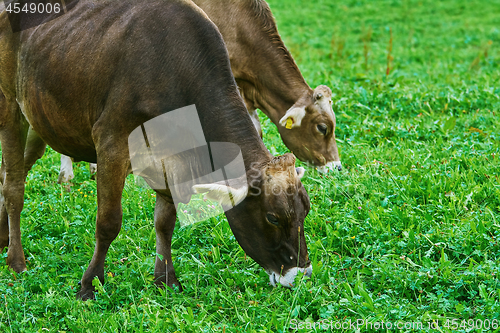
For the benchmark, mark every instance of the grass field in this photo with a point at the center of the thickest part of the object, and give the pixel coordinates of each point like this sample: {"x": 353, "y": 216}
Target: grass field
{"x": 408, "y": 232}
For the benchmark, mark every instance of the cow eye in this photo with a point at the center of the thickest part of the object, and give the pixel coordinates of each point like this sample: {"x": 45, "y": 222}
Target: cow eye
{"x": 272, "y": 219}
{"x": 322, "y": 128}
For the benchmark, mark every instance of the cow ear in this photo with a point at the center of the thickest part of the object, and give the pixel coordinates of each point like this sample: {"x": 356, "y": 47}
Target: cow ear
{"x": 222, "y": 193}
{"x": 293, "y": 117}
{"x": 300, "y": 172}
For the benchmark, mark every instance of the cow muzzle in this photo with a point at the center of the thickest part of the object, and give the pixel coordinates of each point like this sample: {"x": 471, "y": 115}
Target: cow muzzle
{"x": 287, "y": 280}
{"x": 334, "y": 165}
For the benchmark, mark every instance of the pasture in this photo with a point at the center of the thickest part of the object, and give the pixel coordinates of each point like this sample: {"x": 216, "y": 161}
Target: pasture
{"x": 407, "y": 232}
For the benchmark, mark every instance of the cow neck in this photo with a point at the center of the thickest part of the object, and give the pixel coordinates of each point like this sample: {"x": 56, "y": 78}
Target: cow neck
{"x": 264, "y": 69}
{"x": 232, "y": 123}
{"x": 276, "y": 102}
{"x": 269, "y": 76}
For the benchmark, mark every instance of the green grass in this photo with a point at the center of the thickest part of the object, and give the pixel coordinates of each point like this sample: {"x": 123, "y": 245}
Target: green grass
{"x": 407, "y": 232}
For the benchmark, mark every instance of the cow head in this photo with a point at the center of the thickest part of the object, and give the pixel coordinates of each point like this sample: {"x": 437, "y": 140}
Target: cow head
{"x": 309, "y": 127}
{"x": 269, "y": 221}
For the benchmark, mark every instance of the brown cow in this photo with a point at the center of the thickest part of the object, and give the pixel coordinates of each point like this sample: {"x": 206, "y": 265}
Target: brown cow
{"x": 269, "y": 79}
{"x": 85, "y": 80}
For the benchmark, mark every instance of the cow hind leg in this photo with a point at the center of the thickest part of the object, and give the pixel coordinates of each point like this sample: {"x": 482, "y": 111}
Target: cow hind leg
{"x": 93, "y": 169}
{"x": 66, "y": 171}
{"x": 165, "y": 216}
{"x": 113, "y": 168}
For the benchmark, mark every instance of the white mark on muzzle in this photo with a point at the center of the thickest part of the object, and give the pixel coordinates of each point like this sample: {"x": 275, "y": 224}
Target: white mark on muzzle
{"x": 289, "y": 277}
{"x": 334, "y": 165}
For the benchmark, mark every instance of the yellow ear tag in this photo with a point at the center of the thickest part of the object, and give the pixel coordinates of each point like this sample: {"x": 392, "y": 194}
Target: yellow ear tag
{"x": 289, "y": 123}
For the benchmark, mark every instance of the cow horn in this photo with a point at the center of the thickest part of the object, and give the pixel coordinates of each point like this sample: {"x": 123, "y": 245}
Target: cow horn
{"x": 223, "y": 194}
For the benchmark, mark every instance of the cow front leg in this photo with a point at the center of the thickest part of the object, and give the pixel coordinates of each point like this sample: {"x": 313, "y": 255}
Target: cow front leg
{"x": 165, "y": 216}
{"x": 4, "y": 221}
{"x": 112, "y": 172}
{"x": 13, "y": 138}
{"x": 35, "y": 148}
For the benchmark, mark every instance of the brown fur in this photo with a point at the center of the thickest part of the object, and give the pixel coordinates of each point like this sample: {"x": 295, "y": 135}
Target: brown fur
{"x": 269, "y": 79}
{"x": 86, "y": 79}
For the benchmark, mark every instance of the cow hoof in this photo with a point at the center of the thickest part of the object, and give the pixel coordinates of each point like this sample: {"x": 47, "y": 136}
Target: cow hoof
{"x": 64, "y": 178}
{"x": 17, "y": 267}
{"x": 16, "y": 263}
{"x": 176, "y": 286}
{"x": 85, "y": 294}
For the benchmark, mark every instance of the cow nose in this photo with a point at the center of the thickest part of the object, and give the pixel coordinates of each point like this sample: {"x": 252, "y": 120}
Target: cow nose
{"x": 334, "y": 165}
{"x": 337, "y": 165}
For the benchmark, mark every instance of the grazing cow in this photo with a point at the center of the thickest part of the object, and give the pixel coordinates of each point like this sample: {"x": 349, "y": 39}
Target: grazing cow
{"x": 269, "y": 79}
{"x": 85, "y": 80}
